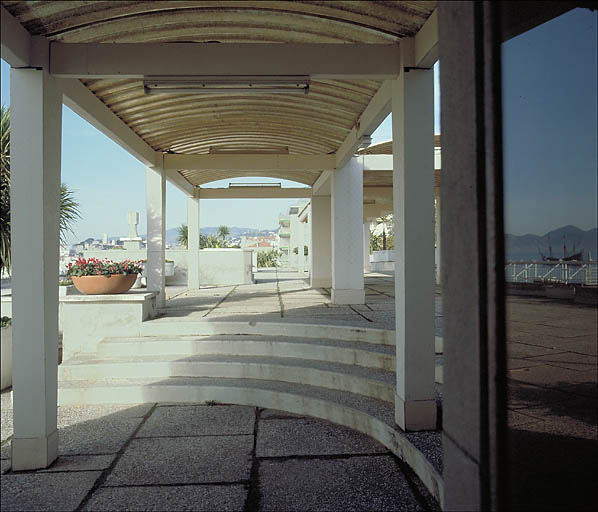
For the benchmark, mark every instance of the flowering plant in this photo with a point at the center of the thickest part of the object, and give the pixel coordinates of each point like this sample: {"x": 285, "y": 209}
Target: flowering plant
{"x": 96, "y": 267}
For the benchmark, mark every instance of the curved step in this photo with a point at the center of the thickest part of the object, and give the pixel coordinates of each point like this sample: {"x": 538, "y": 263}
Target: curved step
{"x": 330, "y": 350}
{"x": 369, "y": 382}
{"x": 369, "y": 416}
{"x": 179, "y": 326}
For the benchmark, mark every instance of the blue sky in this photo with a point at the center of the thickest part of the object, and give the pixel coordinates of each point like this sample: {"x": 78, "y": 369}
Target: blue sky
{"x": 550, "y": 114}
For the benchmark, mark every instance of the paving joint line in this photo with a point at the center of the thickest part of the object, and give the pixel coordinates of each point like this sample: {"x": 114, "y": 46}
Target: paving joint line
{"x": 281, "y": 303}
{"x": 221, "y": 300}
{"x": 253, "y": 498}
{"x": 323, "y": 456}
{"x": 106, "y": 472}
{"x": 197, "y": 436}
{"x": 411, "y": 479}
{"x": 359, "y": 313}
{"x": 180, "y": 484}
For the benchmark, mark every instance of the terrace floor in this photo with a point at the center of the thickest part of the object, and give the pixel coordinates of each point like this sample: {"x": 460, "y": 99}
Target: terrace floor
{"x": 225, "y": 457}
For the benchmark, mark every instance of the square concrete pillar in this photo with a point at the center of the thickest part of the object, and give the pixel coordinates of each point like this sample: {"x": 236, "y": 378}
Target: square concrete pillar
{"x": 193, "y": 243}
{"x": 156, "y": 231}
{"x": 36, "y": 127}
{"x": 347, "y": 233}
{"x": 366, "y": 246}
{"x": 321, "y": 243}
{"x": 413, "y": 190}
{"x": 475, "y": 376}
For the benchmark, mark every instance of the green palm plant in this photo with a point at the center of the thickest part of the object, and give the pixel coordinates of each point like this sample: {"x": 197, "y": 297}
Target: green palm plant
{"x": 69, "y": 208}
{"x": 223, "y": 232}
{"x": 183, "y": 235}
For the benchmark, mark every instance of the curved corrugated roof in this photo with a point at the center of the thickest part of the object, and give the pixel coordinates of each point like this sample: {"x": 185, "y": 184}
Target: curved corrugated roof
{"x": 192, "y": 124}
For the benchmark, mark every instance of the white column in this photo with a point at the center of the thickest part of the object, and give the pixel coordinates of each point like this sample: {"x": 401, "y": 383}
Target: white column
{"x": 347, "y": 230}
{"x": 156, "y": 231}
{"x": 437, "y": 253}
{"x": 193, "y": 243}
{"x": 366, "y": 246}
{"x": 413, "y": 184}
{"x": 36, "y": 127}
{"x": 321, "y": 245}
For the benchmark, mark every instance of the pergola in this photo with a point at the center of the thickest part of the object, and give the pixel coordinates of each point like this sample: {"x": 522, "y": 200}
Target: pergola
{"x": 201, "y": 91}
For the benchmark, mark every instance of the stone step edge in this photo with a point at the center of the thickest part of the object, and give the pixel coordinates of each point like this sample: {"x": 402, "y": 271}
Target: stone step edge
{"x": 329, "y": 378}
{"x": 376, "y": 377}
{"x": 295, "y": 403}
{"x": 340, "y": 332}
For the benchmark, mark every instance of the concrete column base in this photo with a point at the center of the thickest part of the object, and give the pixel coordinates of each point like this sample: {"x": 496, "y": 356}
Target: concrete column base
{"x": 321, "y": 282}
{"x": 415, "y": 414}
{"x": 35, "y": 453}
{"x": 356, "y": 296}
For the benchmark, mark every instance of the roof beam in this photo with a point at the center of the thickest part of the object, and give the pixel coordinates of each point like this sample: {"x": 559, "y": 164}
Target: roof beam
{"x": 82, "y": 101}
{"x": 426, "y": 43}
{"x": 321, "y": 187}
{"x": 331, "y": 61}
{"x": 249, "y": 162}
{"x": 254, "y": 192}
{"x": 15, "y": 45}
{"x": 376, "y": 111}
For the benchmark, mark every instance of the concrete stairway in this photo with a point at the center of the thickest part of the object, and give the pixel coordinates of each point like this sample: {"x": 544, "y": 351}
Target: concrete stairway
{"x": 341, "y": 374}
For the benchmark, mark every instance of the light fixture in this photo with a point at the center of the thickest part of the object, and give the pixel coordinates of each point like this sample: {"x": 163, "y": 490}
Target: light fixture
{"x": 241, "y": 84}
{"x": 256, "y": 185}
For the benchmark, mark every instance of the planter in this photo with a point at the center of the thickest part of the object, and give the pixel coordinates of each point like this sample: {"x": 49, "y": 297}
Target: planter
{"x": 103, "y": 285}
{"x": 6, "y": 354}
{"x": 169, "y": 269}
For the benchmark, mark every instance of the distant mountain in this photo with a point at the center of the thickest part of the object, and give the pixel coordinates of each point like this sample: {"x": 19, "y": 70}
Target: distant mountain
{"x": 528, "y": 247}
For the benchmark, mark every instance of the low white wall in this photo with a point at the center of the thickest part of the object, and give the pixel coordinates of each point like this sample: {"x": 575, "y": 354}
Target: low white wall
{"x": 216, "y": 266}
{"x": 225, "y": 266}
{"x": 378, "y": 256}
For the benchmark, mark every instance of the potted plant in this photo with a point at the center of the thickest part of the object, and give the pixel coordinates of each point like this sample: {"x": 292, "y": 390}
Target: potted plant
{"x": 6, "y": 353}
{"x": 97, "y": 277}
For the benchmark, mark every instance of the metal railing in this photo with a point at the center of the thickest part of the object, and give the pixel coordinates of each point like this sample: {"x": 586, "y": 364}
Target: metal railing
{"x": 561, "y": 272}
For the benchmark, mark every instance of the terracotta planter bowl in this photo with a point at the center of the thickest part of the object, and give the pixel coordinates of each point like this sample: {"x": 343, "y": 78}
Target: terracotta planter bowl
{"x": 104, "y": 285}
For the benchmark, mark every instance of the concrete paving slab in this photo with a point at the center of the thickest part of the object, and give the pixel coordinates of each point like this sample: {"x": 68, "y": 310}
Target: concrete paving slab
{"x": 356, "y": 483}
{"x": 516, "y": 349}
{"x": 199, "y": 420}
{"x": 80, "y": 463}
{"x": 6, "y": 399}
{"x": 570, "y": 361}
{"x": 160, "y": 498}
{"x": 184, "y": 460}
{"x": 268, "y": 414}
{"x": 46, "y": 491}
{"x": 101, "y": 436}
{"x": 286, "y": 437}
{"x": 523, "y": 395}
{"x": 72, "y": 414}
{"x": 547, "y": 375}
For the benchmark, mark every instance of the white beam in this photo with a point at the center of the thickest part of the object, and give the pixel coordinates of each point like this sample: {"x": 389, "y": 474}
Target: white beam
{"x": 329, "y": 61}
{"x": 16, "y": 41}
{"x": 321, "y": 187}
{"x": 377, "y": 110}
{"x": 426, "y": 43}
{"x": 241, "y": 162}
{"x": 256, "y": 192}
{"x": 83, "y": 102}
